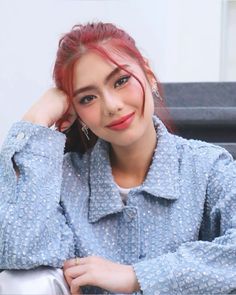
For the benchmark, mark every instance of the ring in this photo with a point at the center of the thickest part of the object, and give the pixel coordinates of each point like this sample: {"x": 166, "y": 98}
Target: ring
{"x": 77, "y": 261}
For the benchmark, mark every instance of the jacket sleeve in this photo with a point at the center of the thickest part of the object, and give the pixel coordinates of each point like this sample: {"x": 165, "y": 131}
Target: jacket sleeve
{"x": 207, "y": 266}
{"x": 33, "y": 228}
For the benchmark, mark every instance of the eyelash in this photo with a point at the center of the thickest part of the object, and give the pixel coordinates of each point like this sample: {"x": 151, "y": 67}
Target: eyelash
{"x": 83, "y": 99}
{"x": 88, "y": 98}
{"x": 126, "y": 78}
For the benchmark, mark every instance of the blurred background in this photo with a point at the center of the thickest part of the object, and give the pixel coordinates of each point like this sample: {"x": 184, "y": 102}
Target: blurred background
{"x": 184, "y": 40}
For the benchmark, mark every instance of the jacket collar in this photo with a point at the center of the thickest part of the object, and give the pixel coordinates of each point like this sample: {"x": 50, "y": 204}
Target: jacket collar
{"x": 162, "y": 180}
{"x": 104, "y": 194}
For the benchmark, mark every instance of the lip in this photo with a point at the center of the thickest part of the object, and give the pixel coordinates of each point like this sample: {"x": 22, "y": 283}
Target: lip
{"x": 121, "y": 123}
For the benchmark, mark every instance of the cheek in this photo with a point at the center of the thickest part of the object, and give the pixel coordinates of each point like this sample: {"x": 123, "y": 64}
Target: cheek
{"x": 135, "y": 94}
{"x": 145, "y": 98}
{"x": 90, "y": 116}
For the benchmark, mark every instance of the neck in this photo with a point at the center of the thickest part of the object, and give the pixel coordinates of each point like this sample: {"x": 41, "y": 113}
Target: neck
{"x": 130, "y": 164}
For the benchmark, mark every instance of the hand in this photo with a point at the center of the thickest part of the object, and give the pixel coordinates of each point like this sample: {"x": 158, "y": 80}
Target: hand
{"x": 50, "y": 109}
{"x": 100, "y": 272}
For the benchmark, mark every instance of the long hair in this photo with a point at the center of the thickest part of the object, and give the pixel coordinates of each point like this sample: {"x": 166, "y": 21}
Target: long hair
{"x": 72, "y": 46}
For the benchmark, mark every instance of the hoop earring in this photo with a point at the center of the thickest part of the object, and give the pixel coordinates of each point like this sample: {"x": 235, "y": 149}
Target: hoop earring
{"x": 85, "y": 130}
{"x": 155, "y": 91}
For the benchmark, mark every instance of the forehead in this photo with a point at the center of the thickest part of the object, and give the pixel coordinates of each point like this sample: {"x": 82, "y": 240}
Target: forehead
{"x": 91, "y": 66}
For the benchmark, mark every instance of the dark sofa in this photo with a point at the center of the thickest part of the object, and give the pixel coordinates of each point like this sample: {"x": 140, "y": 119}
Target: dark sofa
{"x": 205, "y": 111}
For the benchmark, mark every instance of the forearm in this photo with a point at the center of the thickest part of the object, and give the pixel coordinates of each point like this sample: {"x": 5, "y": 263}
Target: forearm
{"x": 33, "y": 229}
{"x": 195, "y": 268}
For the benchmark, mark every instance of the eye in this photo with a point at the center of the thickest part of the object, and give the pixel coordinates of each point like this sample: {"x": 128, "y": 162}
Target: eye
{"x": 123, "y": 80}
{"x": 87, "y": 99}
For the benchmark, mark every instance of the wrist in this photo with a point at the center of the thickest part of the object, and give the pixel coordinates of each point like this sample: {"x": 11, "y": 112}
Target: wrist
{"x": 38, "y": 121}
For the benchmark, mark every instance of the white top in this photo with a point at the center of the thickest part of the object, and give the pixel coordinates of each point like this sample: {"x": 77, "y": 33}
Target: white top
{"x": 124, "y": 193}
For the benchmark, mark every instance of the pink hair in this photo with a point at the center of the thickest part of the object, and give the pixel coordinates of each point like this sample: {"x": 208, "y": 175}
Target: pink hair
{"x": 72, "y": 46}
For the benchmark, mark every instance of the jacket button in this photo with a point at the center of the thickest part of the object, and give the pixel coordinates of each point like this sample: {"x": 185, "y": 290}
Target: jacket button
{"x": 130, "y": 214}
{"x": 20, "y": 136}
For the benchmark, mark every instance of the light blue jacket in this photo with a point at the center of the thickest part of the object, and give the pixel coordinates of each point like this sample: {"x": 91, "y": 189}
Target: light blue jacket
{"x": 178, "y": 229}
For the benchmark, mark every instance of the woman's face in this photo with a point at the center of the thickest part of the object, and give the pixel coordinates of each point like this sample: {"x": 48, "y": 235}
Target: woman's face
{"x": 110, "y": 101}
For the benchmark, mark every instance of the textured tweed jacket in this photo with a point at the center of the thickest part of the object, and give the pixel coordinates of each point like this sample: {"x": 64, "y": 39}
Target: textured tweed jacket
{"x": 178, "y": 229}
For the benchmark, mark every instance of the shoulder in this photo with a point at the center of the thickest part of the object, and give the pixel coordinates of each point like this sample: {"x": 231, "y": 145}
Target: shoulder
{"x": 212, "y": 167}
{"x": 202, "y": 153}
{"x": 76, "y": 161}
{"x": 190, "y": 150}
{"x": 203, "y": 159}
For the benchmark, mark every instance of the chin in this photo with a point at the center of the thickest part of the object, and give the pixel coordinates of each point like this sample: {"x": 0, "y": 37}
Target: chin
{"x": 126, "y": 141}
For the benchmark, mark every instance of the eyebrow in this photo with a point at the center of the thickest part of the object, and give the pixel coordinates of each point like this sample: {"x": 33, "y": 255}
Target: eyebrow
{"x": 107, "y": 79}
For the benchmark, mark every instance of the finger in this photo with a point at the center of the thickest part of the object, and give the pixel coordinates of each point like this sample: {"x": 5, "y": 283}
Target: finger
{"x": 74, "y": 261}
{"x": 72, "y": 273}
{"x": 79, "y": 282}
{"x": 71, "y": 117}
{"x": 78, "y": 292}
{"x": 71, "y": 112}
{"x": 68, "y": 279}
{"x": 64, "y": 125}
{"x": 75, "y": 271}
{"x": 67, "y": 119}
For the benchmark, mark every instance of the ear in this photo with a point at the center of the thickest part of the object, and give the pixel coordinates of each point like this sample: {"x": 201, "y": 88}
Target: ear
{"x": 149, "y": 73}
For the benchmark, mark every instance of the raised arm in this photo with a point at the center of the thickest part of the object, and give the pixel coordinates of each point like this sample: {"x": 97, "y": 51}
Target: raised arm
{"x": 33, "y": 228}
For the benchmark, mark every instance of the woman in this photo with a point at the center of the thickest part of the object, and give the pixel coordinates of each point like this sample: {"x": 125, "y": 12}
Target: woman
{"x": 133, "y": 208}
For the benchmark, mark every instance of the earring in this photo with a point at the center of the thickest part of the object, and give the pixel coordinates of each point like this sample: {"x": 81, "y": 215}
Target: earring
{"x": 155, "y": 91}
{"x": 85, "y": 130}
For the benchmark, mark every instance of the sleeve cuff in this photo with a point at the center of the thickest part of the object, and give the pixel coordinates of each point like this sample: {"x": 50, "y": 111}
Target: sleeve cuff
{"x": 155, "y": 276}
{"x": 34, "y": 138}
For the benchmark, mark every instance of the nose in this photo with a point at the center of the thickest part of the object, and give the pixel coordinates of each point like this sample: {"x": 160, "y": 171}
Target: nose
{"x": 112, "y": 104}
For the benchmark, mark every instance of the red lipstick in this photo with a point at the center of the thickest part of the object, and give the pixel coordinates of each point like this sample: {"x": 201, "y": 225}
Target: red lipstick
{"x": 122, "y": 123}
